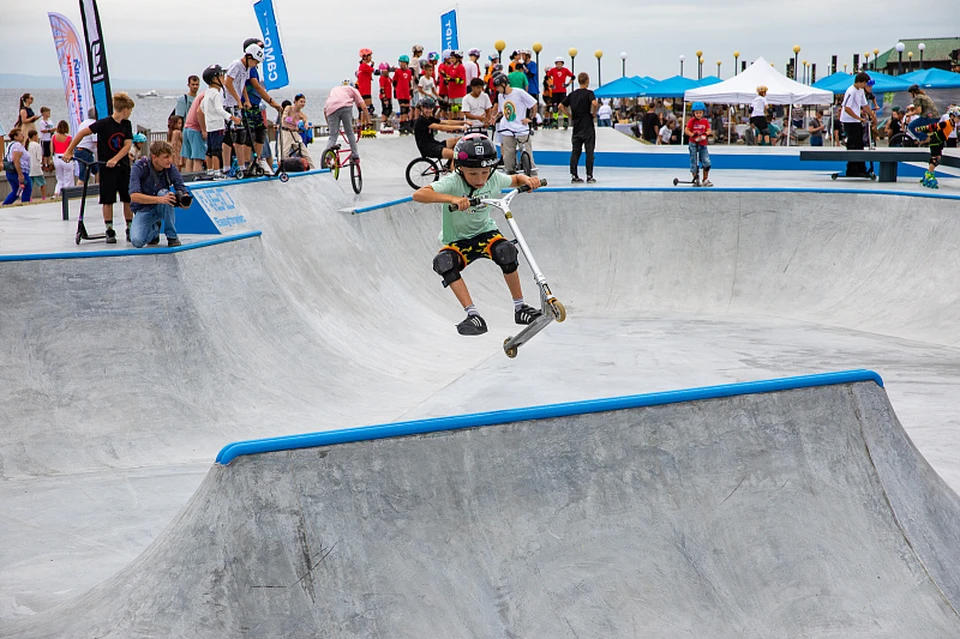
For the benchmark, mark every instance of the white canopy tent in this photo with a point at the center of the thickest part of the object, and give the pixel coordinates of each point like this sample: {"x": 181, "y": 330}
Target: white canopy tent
{"x": 742, "y": 89}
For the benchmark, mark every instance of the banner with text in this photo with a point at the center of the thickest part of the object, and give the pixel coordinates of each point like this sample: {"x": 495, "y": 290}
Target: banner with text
{"x": 96, "y": 58}
{"x": 73, "y": 69}
{"x": 274, "y": 68}
{"x": 449, "y": 34}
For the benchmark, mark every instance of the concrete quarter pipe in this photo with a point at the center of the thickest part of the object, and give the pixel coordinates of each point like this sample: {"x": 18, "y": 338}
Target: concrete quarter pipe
{"x": 802, "y": 512}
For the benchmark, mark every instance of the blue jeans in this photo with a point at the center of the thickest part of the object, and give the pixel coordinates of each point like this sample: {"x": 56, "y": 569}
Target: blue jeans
{"x": 15, "y": 186}
{"x": 700, "y": 153}
{"x": 920, "y": 122}
{"x": 146, "y": 224}
{"x": 87, "y": 156}
{"x": 605, "y": 122}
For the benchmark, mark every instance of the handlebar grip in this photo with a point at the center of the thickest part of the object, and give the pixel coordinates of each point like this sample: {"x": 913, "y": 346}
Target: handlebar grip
{"x": 525, "y": 188}
{"x": 474, "y": 201}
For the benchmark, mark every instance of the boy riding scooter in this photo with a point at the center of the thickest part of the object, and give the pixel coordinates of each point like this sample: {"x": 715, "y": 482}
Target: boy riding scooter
{"x": 469, "y": 233}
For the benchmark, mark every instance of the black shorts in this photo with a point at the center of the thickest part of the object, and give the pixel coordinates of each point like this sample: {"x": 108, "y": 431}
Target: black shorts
{"x": 936, "y": 153}
{"x": 404, "y": 106}
{"x": 46, "y": 148}
{"x": 474, "y": 248}
{"x": 253, "y": 120}
{"x": 366, "y": 96}
{"x": 557, "y": 98}
{"x": 433, "y": 150}
{"x": 761, "y": 123}
{"x": 386, "y": 108}
{"x": 113, "y": 181}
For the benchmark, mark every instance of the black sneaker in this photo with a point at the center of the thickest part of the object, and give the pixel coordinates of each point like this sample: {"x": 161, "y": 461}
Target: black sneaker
{"x": 576, "y": 179}
{"x": 526, "y": 315}
{"x": 591, "y": 180}
{"x": 154, "y": 241}
{"x": 128, "y": 233}
{"x": 473, "y": 325}
{"x": 173, "y": 241}
{"x": 111, "y": 236}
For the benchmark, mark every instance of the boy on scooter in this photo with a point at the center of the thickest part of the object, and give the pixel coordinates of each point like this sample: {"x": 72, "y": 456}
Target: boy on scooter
{"x": 469, "y": 233}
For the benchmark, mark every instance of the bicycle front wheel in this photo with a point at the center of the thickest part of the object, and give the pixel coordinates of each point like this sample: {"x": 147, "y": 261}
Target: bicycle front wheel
{"x": 331, "y": 160}
{"x": 526, "y": 164}
{"x": 356, "y": 178}
{"x": 421, "y": 172}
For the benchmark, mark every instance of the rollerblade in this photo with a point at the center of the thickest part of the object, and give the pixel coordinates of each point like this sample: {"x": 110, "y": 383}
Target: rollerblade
{"x": 930, "y": 181}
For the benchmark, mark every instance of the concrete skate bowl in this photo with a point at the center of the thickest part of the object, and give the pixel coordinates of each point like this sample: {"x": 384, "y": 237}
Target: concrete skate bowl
{"x": 795, "y": 507}
{"x": 331, "y": 320}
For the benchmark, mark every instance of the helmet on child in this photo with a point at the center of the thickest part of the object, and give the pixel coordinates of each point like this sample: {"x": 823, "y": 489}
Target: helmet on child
{"x": 249, "y": 41}
{"x": 447, "y": 54}
{"x": 418, "y": 48}
{"x": 500, "y": 80}
{"x": 139, "y": 138}
{"x": 474, "y": 52}
{"x": 699, "y": 106}
{"x": 871, "y": 82}
{"x": 558, "y": 59}
{"x": 492, "y": 57}
{"x": 954, "y": 111}
{"x": 457, "y": 53}
{"x": 424, "y": 63}
{"x": 364, "y": 52}
{"x": 211, "y": 73}
{"x": 433, "y": 56}
{"x": 383, "y": 66}
{"x": 255, "y": 51}
{"x": 475, "y": 151}
{"x": 403, "y": 58}
{"x": 428, "y": 103}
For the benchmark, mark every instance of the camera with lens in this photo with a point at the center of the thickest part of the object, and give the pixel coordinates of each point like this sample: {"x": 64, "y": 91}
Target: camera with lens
{"x": 183, "y": 199}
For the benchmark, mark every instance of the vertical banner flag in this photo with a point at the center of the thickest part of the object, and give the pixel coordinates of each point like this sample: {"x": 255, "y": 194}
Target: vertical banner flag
{"x": 449, "y": 35}
{"x": 96, "y": 58}
{"x": 73, "y": 69}
{"x": 274, "y": 70}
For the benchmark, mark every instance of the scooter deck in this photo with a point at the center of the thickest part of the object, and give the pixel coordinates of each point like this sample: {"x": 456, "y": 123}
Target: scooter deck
{"x": 513, "y": 343}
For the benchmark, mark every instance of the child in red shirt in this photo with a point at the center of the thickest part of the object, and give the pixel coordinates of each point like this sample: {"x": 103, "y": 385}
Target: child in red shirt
{"x": 456, "y": 83}
{"x": 365, "y": 78}
{"x": 402, "y": 82}
{"x": 697, "y": 130}
{"x": 386, "y": 93}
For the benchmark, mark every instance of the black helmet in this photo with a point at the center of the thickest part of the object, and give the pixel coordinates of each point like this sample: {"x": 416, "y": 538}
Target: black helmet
{"x": 475, "y": 151}
{"x": 500, "y": 80}
{"x": 428, "y": 103}
{"x": 249, "y": 41}
{"x": 914, "y": 88}
{"x": 211, "y": 73}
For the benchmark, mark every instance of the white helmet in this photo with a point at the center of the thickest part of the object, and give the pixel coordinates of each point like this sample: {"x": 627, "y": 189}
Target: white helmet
{"x": 255, "y": 51}
{"x": 474, "y": 51}
{"x": 558, "y": 59}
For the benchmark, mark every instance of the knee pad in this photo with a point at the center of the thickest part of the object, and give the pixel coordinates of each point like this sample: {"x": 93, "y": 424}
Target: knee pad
{"x": 370, "y": 109}
{"x": 935, "y": 160}
{"x": 447, "y": 265}
{"x": 404, "y": 110}
{"x": 504, "y": 255}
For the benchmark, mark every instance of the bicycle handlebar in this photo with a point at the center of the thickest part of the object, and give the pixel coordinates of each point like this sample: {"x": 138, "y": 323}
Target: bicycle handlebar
{"x": 475, "y": 201}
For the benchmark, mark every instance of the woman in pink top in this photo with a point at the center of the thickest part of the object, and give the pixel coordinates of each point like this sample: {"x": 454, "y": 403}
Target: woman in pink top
{"x": 65, "y": 170}
{"x": 339, "y": 112}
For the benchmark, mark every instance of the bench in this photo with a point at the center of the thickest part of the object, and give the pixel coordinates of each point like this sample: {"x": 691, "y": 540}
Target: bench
{"x": 887, "y": 158}
{"x": 74, "y": 192}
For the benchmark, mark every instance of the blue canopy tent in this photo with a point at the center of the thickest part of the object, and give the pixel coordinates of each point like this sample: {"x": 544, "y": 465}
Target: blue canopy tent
{"x": 644, "y": 81}
{"x": 707, "y": 81}
{"x": 670, "y": 88}
{"x": 839, "y": 82}
{"x": 620, "y": 88}
{"x": 932, "y": 79}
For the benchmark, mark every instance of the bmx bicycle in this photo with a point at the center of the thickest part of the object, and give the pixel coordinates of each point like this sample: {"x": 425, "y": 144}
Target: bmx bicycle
{"x": 550, "y": 306}
{"x": 523, "y": 155}
{"x": 338, "y": 156}
{"x": 423, "y": 170}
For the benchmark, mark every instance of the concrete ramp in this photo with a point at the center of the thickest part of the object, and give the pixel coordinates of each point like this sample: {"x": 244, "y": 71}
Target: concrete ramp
{"x": 798, "y": 508}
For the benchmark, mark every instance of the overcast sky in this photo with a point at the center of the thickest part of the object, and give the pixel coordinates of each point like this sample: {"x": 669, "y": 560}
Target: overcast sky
{"x": 163, "y": 41}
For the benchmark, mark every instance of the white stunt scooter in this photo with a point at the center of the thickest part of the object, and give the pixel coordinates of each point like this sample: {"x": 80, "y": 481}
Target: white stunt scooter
{"x": 550, "y": 306}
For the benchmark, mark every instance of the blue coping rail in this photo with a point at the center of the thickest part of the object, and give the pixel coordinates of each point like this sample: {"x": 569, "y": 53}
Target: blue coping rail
{"x": 157, "y": 250}
{"x": 425, "y": 426}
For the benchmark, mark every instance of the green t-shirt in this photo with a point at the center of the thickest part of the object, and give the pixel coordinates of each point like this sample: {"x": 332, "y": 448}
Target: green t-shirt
{"x": 461, "y": 225}
{"x": 518, "y": 80}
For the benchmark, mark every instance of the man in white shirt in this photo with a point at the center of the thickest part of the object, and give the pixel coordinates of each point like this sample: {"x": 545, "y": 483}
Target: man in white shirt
{"x": 87, "y": 149}
{"x": 852, "y": 116}
{"x": 476, "y": 104}
{"x": 513, "y": 105}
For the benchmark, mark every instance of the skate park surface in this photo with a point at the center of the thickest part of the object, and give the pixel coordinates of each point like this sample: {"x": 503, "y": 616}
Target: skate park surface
{"x": 803, "y": 512}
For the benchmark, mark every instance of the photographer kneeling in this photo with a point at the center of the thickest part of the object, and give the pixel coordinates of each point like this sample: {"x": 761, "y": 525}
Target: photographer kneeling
{"x": 155, "y": 189}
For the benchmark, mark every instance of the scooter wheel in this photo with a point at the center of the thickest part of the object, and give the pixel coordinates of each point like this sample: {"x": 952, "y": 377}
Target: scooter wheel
{"x": 676, "y": 181}
{"x": 834, "y": 176}
{"x": 559, "y": 312}
{"x": 77, "y": 238}
{"x": 284, "y": 178}
{"x": 511, "y": 352}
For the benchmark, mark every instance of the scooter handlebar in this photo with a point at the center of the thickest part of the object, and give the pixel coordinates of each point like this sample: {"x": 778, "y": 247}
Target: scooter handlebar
{"x": 475, "y": 201}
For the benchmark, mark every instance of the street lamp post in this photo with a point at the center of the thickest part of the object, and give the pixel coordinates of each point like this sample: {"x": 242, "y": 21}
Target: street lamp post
{"x": 499, "y": 45}
{"x": 866, "y": 61}
{"x": 900, "y": 47}
{"x": 682, "y": 58}
{"x": 599, "y": 54}
{"x": 573, "y": 60}
{"x": 537, "y": 48}
{"x": 921, "y": 46}
{"x": 910, "y": 60}
{"x": 699, "y": 65}
{"x": 803, "y": 75}
{"x": 718, "y": 68}
{"x": 623, "y": 64}
{"x": 796, "y": 59}
{"x": 736, "y": 63}
{"x": 876, "y": 52}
